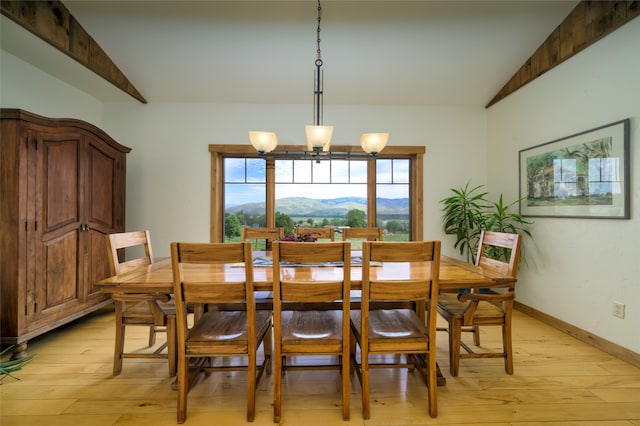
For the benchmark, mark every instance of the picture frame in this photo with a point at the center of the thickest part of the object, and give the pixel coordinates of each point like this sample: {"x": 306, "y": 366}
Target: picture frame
{"x": 585, "y": 175}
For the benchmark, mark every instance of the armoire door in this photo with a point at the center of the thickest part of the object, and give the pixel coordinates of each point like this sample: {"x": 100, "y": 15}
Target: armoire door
{"x": 104, "y": 193}
{"x": 57, "y": 243}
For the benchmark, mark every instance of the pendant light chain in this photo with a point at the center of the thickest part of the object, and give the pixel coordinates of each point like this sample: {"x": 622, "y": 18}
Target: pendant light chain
{"x": 318, "y": 52}
{"x": 318, "y": 135}
{"x": 318, "y": 101}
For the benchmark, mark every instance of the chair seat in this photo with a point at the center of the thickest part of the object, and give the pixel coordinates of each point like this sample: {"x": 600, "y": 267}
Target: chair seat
{"x": 225, "y": 328}
{"x": 302, "y": 331}
{"x": 397, "y": 327}
{"x": 450, "y": 306}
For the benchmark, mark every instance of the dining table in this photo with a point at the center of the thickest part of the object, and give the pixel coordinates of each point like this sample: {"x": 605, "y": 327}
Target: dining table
{"x": 158, "y": 276}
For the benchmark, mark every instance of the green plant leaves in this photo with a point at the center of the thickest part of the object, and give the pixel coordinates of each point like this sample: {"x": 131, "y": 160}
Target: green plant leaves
{"x": 468, "y": 212}
{"x": 11, "y": 366}
{"x": 463, "y": 217}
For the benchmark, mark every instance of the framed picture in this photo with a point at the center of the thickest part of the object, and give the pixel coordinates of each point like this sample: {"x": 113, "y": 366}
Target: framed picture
{"x": 584, "y": 175}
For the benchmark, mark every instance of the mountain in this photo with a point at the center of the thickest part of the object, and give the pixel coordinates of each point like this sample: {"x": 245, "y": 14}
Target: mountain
{"x": 335, "y": 207}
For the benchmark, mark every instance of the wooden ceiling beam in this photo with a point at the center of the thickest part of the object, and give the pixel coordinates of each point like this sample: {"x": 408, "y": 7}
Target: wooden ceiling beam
{"x": 587, "y": 23}
{"x": 52, "y": 22}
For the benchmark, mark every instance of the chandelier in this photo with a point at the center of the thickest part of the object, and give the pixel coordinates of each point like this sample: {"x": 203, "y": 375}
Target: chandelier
{"x": 318, "y": 136}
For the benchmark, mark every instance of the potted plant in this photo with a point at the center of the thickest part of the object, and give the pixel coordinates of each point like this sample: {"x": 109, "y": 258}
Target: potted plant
{"x": 468, "y": 211}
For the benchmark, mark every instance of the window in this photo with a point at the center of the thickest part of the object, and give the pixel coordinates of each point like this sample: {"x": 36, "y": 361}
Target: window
{"x": 250, "y": 191}
{"x": 393, "y": 198}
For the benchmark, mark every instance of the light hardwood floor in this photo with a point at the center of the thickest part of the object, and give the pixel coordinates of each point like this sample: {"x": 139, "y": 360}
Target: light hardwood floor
{"x": 558, "y": 380}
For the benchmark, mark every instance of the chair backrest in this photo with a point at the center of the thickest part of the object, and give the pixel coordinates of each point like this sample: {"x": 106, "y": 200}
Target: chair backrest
{"x": 507, "y": 245}
{"x": 420, "y": 289}
{"x": 401, "y": 288}
{"x": 319, "y": 233}
{"x": 116, "y": 245}
{"x": 189, "y": 287}
{"x": 295, "y": 289}
{"x": 268, "y": 234}
{"x": 369, "y": 234}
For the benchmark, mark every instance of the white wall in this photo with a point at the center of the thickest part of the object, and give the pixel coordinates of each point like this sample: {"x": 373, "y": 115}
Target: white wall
{"x": 576, "y": 268}
{"x": 168, "y": 168}
{"x": 25, "y": 87}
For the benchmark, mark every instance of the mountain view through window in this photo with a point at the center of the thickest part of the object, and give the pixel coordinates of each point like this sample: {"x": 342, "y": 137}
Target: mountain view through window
{"x": 309, "y": 194}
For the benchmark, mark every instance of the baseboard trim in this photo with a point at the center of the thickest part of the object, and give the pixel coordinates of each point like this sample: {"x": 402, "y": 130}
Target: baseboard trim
{"x": 618, "y": 351}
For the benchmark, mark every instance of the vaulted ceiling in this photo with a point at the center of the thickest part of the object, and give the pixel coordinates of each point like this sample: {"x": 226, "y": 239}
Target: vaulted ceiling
{"x": 394, "y": 52}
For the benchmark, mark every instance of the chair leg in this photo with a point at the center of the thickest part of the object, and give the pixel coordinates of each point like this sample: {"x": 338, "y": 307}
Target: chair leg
{"x": 476, "y": 335}
{"x": 251, "y": 386}
{"x": 152, "y": 336}
{"x": 455, "y": 334}
{"x": 172, "y": 352}
{"x": 364, "y": 367}
{"x": 183, "y": 387}
{"x": 119, "y": 347}
{"x": 277, "y": 384}
{"x": 507, "y": 347}
{"x": 346, "y": 381}
{"x": 432, "y": 381}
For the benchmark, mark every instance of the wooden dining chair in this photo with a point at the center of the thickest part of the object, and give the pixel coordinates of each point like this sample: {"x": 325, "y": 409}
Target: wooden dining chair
{"x": 466, "y": 312}
{"x": 325, "y": 233}
{"x": 368, "y": 234}
{"x": 308, "y": 330}
{"x": 218, "y": 334}
{"x": 269, "y": 235}
{"x": 378, "y": 330}
{"x": 156, "y": 311}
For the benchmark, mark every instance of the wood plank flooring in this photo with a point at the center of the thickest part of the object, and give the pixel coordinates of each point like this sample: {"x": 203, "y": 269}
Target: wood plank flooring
{"x": 558, "y": 380}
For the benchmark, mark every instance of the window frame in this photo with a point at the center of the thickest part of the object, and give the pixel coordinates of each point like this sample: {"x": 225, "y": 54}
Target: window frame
{"x": 219, "y": 152}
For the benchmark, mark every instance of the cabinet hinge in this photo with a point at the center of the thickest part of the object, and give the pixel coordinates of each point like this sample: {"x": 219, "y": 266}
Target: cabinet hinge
{"x": 26, "y": 228}
{"x": 35, "y": 307}
{"x": 35, "y": 228}
{"x": 26, "y": 309}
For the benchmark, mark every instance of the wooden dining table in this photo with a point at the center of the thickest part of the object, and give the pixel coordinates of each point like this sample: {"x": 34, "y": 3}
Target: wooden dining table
{"x": 158, "y": 277}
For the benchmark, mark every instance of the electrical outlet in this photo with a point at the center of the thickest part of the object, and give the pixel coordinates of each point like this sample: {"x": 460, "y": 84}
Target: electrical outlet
{"x": 618, "y": 310}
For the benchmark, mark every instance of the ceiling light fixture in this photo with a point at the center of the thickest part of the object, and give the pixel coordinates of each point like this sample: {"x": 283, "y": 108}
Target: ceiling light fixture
{"x": 318, "y": 136}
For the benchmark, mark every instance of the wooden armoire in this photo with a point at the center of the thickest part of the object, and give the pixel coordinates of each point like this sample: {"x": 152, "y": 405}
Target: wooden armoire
{"x": 62, "y": 189}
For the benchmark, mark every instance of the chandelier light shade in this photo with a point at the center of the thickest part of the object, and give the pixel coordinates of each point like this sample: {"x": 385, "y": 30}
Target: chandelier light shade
{"x": 263, "y": 142}
{"x": 373, "y": 143}
{"x": 318, "y": 136}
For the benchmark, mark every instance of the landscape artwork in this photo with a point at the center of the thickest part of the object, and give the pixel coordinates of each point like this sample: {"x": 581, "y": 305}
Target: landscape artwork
{"x": 584, "y": 175}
